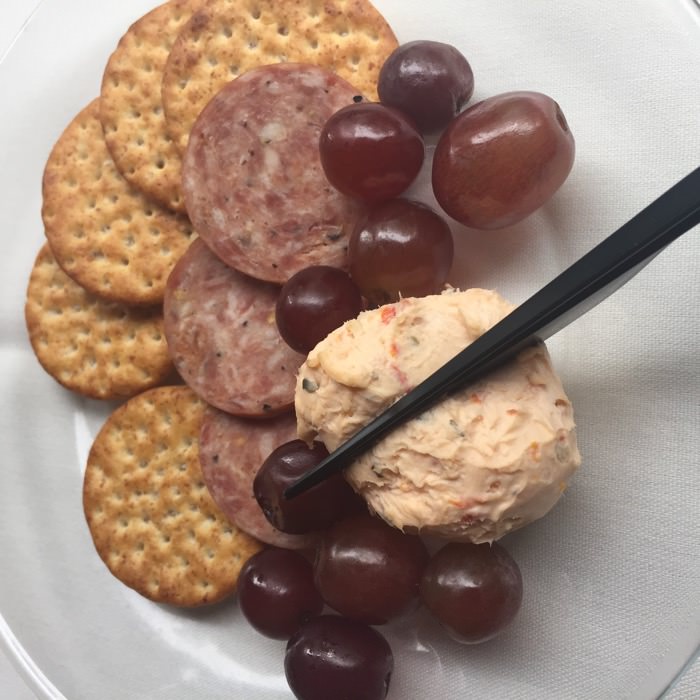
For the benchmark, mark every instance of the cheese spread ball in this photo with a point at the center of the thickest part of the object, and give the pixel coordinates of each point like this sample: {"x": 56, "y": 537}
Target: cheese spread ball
{"x": 488, "y": 460}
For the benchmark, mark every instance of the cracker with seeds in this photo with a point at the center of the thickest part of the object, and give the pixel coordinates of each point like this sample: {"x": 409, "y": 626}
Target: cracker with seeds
{"x": 131, "y": 110}
{"x": 104, "y": 350}
{"x": 150, "y": 515}
{"x": 104, "y": 233}
{"x": 228, "y": 37}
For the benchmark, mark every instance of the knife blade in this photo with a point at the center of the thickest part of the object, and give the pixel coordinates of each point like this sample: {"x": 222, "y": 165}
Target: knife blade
{"x": 574, "y": 292}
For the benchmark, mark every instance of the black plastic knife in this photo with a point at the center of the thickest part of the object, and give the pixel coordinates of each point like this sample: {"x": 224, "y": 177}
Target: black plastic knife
{"x": 575, "y": 291}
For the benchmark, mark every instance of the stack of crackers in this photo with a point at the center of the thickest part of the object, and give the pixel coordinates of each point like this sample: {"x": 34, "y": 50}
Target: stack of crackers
{"x": 115, "y": 225}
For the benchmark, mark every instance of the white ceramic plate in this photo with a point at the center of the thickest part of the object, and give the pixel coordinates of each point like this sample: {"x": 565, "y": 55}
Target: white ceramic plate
{"x": 612, "y": 575}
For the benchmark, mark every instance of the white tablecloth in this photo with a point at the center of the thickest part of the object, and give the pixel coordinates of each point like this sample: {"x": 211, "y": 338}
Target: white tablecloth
{"x": 13, "y": 14}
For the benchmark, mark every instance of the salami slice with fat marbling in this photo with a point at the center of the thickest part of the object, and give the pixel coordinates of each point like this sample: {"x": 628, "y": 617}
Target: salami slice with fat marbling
{"x": 231, "y": 450}
{"x": 223, "y": 339}
{"x": 253, "y": 182}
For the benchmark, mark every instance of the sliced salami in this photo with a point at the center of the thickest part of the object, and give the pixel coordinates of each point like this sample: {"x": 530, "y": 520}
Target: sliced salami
{"x": 231, "y": 450}
{"x": 252, "y": 177}
{"x": 222, "y": 337}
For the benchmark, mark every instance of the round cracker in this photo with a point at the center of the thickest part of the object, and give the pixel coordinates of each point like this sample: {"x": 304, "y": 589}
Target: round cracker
{"x": 131, "y": 110}
{"x": 105, "y": 234}
{"x": 228, "y": 37}
{"x": 150, "y": 515}
{"x": 99, "y": 349}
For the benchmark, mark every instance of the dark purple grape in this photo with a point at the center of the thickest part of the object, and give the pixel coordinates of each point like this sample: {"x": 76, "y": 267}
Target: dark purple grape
{"x": 427, "y": 80}
{"x": 314, "y": 302}
{"x": 473, "y": 590}
{"x": 400, "y": 248}
{"x": 333, "y": 657}
{"x": 368, "y": 570}
{"x": 276, "y": 592}
{"x": 502, "y": 159}
{"x": 370, "y": 151}
{"x": 315, "y": 509}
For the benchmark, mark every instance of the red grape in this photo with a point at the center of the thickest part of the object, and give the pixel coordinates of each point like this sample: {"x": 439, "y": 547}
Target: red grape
{"x": 428, "y": 80}
{"x": 333, "y": 657}
{"x": 400, "y": 247}
{"x": 276, "y": 592}
{"x": 369, "y": 571}
{"x": 370, "y": 151}
{"x": 473, "y": 590}
{"x": 314, "y": 509}
{"x": 502, "y": 159}
{"x": 314, "y": 302}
